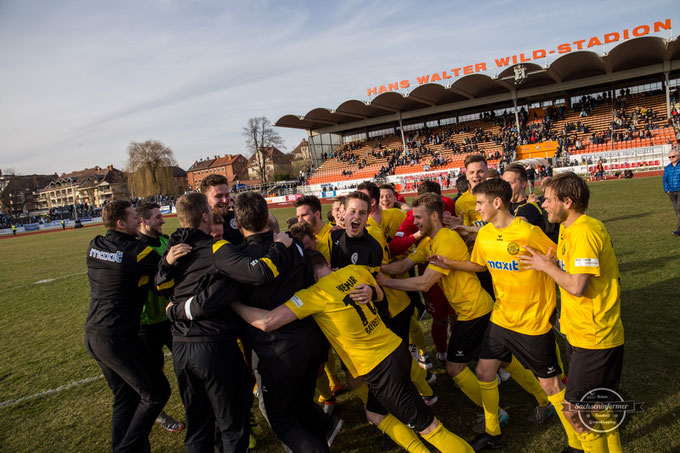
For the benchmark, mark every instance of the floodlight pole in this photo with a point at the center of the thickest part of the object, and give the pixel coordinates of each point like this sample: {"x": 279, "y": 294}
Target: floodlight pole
{"x": 668, "y": 96}
{"x": 514, "y": 101}
{"x": 401, "y": 129}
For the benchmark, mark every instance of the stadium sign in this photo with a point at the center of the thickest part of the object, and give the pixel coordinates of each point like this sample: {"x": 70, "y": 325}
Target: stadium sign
{"x": 523, "y": 57}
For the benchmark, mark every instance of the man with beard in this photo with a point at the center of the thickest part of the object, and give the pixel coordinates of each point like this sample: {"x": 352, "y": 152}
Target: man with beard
{"x": 519, "y": 330}
{"x": 588, "y": 276}
{"x": 215, "y": 187}
{"x": 118, "y": 266}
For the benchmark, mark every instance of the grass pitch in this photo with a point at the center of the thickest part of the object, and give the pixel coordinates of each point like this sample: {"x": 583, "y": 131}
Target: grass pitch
{"x": 44, "y": 297}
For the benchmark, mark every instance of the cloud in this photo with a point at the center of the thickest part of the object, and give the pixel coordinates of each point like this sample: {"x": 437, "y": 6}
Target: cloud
{"x": 80, "y": 79}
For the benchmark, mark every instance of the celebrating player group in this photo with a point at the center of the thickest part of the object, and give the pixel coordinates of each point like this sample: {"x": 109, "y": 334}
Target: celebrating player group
{"x": 247, "y": 310}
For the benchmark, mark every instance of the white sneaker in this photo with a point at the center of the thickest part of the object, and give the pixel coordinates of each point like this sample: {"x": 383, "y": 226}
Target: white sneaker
{"x": 503, "y": 374}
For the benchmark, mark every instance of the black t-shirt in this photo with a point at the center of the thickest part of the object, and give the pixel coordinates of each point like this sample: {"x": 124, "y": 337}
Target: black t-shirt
{"x": 364, "y": 250}
{"x": 529, "y": 211}
{"x": 231, "y": 231}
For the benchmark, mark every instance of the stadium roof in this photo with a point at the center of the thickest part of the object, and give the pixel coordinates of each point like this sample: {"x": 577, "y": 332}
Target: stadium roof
{"x": 635, "y": 58}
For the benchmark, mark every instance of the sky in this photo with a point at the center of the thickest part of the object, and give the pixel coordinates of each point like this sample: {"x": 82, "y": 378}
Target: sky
{"x": 80, "y": 80}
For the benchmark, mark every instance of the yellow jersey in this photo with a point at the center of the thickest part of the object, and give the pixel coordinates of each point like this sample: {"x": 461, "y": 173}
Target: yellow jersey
{"x": 525, "y": 298}
{"x": 397, "y": 300}
{"x": 355, "y": 331}
{"x": 466, "y": 205}
{"x": 462, "y": 289}
{"x": 322, "y": 239}
{"x": 594, "y": 320}
{"x": 389, "y": 223}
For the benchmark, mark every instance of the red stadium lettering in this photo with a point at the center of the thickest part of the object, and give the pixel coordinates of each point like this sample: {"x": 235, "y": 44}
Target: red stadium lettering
{"x": 625, "y": 34}
{"x": 445, "y": 75}
{"x": 540, "y": 53}
{"x": 372, "y": 91}
{"x": 658, "y": 26}
{"x": 393, "y": 86}
{"x": 435, "y": 77}
{"x": 579, "y": 44}
{"x": 423, "y": 79}
{"x": 480, "y": 67}
{"x": 500, "y": 62}
{"x": 644, "y": 30}
{"x": 456, "y": 71}
{"x": 564, "y": 48}
{"x": 404, "y": 84}
{"x": 522, "y": 58}
{"x": 467, "y": 69}
{"x": 611, "y": 37}
{"x": 594, "y": 41}
{"x": 382, "y": 89}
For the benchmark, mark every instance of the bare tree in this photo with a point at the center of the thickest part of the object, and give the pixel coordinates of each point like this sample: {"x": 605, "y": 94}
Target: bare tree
{"x": 260, "y": 135}
{"x": 149, "y": 168}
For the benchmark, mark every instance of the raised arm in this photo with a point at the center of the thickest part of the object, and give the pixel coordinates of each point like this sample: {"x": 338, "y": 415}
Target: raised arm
{"x": 421, "y": 283}
{"x": 398, "y": 267}
{"x": 265, "y": 320}
{"x": 445, "y": 263}
{"x": 235, "y": 264}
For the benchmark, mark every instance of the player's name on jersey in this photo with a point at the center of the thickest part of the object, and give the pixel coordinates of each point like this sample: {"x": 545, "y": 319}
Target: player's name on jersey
{"x": 349, "y": 284}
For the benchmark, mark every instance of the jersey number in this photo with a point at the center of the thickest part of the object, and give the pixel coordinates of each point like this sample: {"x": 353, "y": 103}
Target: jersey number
{"x": 349, "y": 302}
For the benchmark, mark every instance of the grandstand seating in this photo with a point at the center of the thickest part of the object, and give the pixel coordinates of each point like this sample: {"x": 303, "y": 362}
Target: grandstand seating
{"x": 598, "y": 120}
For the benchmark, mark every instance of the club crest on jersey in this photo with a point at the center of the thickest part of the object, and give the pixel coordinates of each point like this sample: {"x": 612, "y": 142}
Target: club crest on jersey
{"x": 232, "y": 224}
{"x": 513, "y": 248}
{"x": 355, "y": 257}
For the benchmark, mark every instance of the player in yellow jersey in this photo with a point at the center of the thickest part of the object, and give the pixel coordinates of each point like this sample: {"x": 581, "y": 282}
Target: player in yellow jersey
{"x": 367, "y": 347}
{"x": 388, "y": 198}
{"x": 462, "y": 289}
{"x": 588, "y": 276}
{"x": 366, "y": 246}
{"x": 476, "y": 171}
{"x": 308, "y": 209}
{"x": 388, "y": 220}
{"x": 525, "y": 299}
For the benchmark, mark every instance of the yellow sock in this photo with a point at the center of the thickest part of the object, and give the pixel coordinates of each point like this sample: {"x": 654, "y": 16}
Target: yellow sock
{"x": 362, "y": 392}
{"x": 489, "y": 393}
{"x": 446, "y": 441}
{"x": 331, "y": 369}
{"x": 416, "y": 335}
{"x": 593, "y": 442}
{"x": 557, "y": 401}
{"x": 608, "y": 421}
{"x": 322, "y": 387}
{"x": 468, "y": 383}
{"x": 559, "y": 360}
{"x": 527, "y": 381}
{"x": 419, "y": 379}
{"x": 402, "y": 435}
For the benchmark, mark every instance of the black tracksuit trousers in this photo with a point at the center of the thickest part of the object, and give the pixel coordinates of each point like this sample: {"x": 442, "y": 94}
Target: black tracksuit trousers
{"x": 140, "y": 389}
{"x": 214, "y": 386}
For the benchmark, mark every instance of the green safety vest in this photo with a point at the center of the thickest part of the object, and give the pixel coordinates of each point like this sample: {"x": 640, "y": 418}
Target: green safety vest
{"x": 153, "y": 311}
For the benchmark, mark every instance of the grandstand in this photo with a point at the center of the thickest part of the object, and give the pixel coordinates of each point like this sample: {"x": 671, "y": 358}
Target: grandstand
{"x": 616, "y": 106}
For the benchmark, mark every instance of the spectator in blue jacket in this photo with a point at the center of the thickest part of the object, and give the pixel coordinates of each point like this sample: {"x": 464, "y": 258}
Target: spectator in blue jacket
{"x": 671, "y": 185}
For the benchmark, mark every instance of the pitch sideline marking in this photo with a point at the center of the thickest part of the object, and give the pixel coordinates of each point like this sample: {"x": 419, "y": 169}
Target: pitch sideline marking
{"x": 50, "y": 391}
{"x": 40, "y": 282}
{"x": 61, "y": 388}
